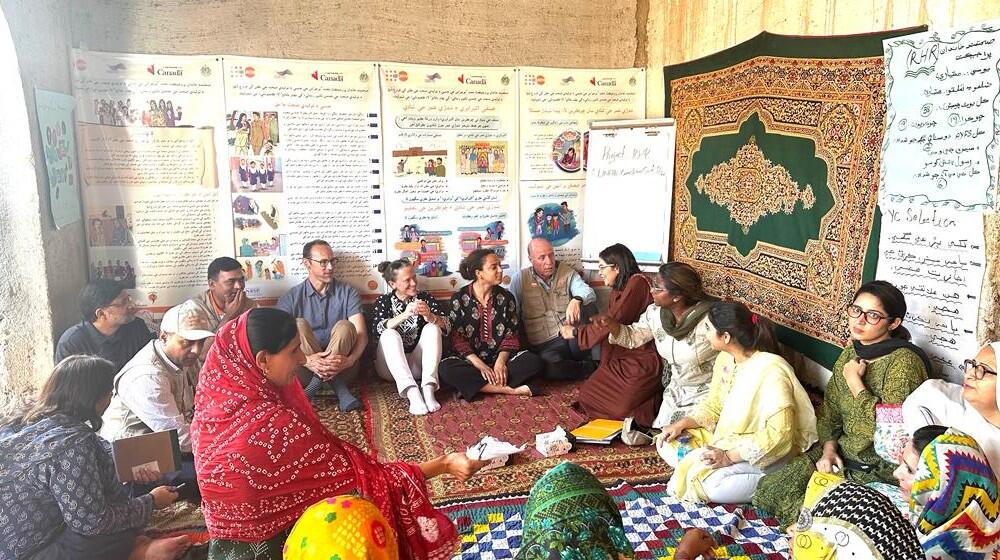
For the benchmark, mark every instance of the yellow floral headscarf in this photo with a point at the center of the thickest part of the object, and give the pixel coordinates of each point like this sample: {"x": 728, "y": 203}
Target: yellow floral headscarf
{"x": 345, "y": 527}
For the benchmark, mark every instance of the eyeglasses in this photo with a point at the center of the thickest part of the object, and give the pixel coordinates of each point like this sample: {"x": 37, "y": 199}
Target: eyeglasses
{"x": 324, "y": 263}
{"x": 871, "y": 317}
{"x": 978, "y": 369}
{"x": 123, "y": 302}
{"x": 606, "y": 266}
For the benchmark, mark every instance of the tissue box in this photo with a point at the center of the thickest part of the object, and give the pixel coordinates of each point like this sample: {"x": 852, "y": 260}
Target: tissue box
{"x": 552, "y": 444}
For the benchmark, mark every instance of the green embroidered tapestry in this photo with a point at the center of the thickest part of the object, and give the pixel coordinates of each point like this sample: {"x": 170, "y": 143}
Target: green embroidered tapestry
{"x": 776, "y": 177}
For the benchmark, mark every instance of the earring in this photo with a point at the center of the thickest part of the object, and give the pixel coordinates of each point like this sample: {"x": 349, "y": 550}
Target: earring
{"x": 676, "y": 299}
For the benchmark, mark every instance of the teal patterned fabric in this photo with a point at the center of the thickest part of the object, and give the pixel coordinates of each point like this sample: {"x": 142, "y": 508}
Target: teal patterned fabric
{"x": 570, "y": 516}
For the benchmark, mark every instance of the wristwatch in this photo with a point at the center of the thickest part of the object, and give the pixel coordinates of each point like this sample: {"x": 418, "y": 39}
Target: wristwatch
{"x": 578, "y": 298}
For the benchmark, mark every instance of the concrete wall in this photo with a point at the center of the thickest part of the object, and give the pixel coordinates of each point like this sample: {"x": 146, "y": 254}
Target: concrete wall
{"x": 566, "y": 33}
{"x": 25, "y": 313}
{"x": 41, "y": 33}
{"x": 682, "y": 30}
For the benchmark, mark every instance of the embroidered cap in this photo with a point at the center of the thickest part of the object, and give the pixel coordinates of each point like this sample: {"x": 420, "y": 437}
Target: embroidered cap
{"x": 188, "y": 321}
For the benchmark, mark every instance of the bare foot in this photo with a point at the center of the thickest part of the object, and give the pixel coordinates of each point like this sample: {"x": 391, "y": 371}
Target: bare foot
{"x": 167, "y": 549}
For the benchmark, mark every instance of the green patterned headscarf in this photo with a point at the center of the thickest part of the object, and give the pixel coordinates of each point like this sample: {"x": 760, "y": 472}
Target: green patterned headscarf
{"x": 570, "y": 516}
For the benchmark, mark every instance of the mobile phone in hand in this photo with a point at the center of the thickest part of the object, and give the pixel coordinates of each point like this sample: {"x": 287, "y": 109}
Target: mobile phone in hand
{"x": 179, "y": 487}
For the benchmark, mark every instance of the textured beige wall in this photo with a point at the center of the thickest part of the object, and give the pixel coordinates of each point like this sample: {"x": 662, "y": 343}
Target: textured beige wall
{"x": 25, "y": 313}
{"x": 472, "y": 32}
{"x": 41, "y": 33}
{"x": 682, "y": 30}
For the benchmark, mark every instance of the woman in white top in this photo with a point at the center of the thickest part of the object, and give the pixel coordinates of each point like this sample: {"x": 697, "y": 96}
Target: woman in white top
{"x": 409, "y": 325}
{"x": 970, "y": 408}
{"x": 676, "y": 321}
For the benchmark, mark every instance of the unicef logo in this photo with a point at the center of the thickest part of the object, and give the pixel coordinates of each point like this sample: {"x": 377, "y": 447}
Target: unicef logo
{"x": 206, "y": 71}
{"x": 505, "y": 80}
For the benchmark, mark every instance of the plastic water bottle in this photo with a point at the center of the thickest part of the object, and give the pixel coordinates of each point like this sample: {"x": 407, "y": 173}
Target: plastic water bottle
{"x": 683, "y": 446}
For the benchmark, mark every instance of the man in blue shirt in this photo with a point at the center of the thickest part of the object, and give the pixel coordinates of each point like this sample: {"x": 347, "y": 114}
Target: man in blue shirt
{"x": 331, "y": 326}
{"x": 109, "y": 328}
{"x": 549, "y": 295}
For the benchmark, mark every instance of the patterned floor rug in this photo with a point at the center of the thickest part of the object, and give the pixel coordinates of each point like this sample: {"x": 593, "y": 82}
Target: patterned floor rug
{"x": 397, "y": 435}
{"x": 385, "y": 427}
{"x": 654, "y": 523}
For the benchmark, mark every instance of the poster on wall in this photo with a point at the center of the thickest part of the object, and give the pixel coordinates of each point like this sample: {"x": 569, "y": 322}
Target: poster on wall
{"x": 301, "y": 161}
{"x": 557, "y": 105}
{"x": 553, "y": 210}
{"x": 450, "y": 171}
{"x": 941, "y": 146}
{"x": 146, "y": 130}
{"x": 56, "y": 127}
{"x": 556, "y": 108}
{"x": 936, "y": 257}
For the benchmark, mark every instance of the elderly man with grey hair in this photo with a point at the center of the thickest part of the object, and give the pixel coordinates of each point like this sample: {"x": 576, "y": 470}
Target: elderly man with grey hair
{"x": 550, "y": 294}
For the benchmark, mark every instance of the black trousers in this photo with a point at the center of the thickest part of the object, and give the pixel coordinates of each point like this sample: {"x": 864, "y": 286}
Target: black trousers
{"x": 564, "y": 361}
{"x": 74, "y": 546}
{"x": 468, "y": 381}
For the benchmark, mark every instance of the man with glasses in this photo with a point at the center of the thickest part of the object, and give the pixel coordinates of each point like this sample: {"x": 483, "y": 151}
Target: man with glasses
{"x": 970, "y": 407}
{"x": 331, "y": 326}
{"x": 109, "y": 328}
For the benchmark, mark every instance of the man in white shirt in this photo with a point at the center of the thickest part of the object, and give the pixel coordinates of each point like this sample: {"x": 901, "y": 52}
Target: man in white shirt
{"x": 154, "y": 391}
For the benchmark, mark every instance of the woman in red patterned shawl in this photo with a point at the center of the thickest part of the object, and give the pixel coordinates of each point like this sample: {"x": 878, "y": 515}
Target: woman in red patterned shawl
{"x": 263, "y": 457}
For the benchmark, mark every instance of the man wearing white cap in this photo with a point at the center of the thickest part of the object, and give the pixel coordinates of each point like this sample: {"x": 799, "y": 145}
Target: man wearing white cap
{"x": 154, "y": 391}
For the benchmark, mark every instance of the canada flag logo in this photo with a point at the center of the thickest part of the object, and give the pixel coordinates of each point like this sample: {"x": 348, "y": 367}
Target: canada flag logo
{"x": 461, "y": 79}
{"x": 151, "y": 69}
{"x": 315, "y": 74}
{"x": 593, "y": 81}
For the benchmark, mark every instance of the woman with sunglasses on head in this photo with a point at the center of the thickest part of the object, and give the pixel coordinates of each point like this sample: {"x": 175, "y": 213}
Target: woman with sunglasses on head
{"x": 626, "y": 383}
{"x": 880, "y": 366}
{"x": 971, "y": 407}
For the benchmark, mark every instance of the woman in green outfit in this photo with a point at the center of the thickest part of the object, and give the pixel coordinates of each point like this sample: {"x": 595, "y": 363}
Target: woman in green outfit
{"x": 879, "y": 366}
{"x": 570, "y": 515}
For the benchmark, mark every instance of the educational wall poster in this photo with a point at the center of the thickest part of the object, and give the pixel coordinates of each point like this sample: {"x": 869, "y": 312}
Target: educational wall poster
{"x": 302, "y": 150}
{"x": 553, "y": 210}
{"x": 450, "y": 172}
{"x": 557, "y": 105}
{"x": 55, "y": 125}
{"x": 943, "y": 117}
{"x": 146, "y": 127}
{"x": 936, "y": 256}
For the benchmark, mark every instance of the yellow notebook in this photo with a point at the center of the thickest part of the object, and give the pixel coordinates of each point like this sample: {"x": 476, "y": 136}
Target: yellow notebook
{"x": 598, "y": 431}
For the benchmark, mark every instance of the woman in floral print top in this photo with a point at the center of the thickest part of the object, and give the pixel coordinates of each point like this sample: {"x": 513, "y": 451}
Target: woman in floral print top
{"x": 485, "y": 335}
{"x": 61, "y": 497}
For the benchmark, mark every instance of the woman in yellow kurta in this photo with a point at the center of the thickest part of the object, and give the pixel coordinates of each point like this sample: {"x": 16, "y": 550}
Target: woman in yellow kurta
{"x": 756, "y": 414}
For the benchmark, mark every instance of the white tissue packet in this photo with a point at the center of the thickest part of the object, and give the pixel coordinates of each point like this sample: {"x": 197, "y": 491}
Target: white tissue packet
{"x": 554, "y": 443}
{"x": 493, "y": 450}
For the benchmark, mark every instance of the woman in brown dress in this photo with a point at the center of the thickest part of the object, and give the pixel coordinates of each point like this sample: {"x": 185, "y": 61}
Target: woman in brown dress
{"x": 627, "y": 381}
